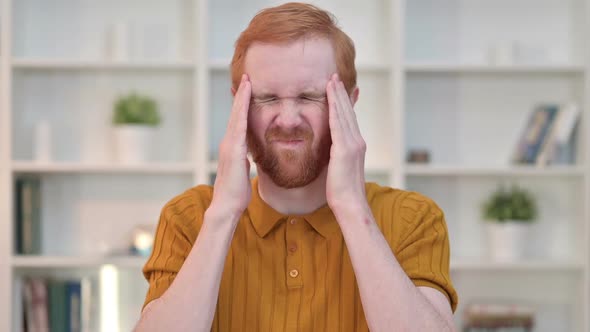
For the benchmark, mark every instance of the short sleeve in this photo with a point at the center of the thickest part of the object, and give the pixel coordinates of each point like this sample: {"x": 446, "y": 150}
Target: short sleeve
{"x": 424, "y": 249}
{"x": 177, "y": 230}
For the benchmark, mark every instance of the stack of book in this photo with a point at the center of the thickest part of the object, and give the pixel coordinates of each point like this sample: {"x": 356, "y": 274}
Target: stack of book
{"x": 56, "y": 305}
{"x": 489, "y": 317}
{"x": 549, "y": 136}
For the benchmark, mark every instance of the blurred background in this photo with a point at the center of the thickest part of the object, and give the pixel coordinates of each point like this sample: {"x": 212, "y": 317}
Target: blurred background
{"x": 110, "y": 108}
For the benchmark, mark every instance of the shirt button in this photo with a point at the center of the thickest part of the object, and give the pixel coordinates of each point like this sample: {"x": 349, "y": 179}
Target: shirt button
{"x": 293, "y": 273}
{"x": 293, "y": 248}
{"x": 293, "y": 221}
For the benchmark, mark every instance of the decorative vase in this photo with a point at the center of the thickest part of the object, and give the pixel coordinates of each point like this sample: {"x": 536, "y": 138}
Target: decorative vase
{"x": 42, "y": 148}
{"x": 506, "y": 240}
{"x": 132, "y": 143}
{"x": 118, "y": 42}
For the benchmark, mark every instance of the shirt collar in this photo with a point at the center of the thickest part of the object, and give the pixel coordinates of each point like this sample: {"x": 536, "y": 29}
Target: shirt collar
{"x": 323, "y": 221}
{"x": 264, "y": 218}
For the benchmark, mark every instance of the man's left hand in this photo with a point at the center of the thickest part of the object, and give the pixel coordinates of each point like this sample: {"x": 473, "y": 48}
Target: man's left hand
{"x": 345, "y": 187}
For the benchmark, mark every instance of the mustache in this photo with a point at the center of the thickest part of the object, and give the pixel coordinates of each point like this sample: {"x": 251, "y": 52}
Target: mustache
{"x": 297, "y": 133}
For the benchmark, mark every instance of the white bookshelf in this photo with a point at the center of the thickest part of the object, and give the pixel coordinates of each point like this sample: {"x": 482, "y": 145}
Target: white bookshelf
{"x": 39, "y": 262}
{"x": 454, "y": 170}
{"x": 370, "y": 169}
{"x": 425, "y": 82}
{"x": 74, "y": 64}
{"x": 22, "y": 167}
{"x": 535, "y": 266}
{"x": 57, "y": 262}
{"x": 418, "y": 68}
{"x": 468, "y": 112}
{"x": 224, "y": 66}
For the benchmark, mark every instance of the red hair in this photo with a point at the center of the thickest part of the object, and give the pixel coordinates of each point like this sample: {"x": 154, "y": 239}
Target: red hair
{"x": 289, "y": 22}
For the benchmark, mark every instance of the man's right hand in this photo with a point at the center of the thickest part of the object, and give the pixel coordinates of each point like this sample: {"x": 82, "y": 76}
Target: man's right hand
{"x": 232, "y": 189}
{"x": 197, "y": 281}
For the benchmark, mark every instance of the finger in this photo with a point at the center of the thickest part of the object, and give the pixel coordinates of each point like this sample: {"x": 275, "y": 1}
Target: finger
{"x": 232, "y": 115}
{"x": 341, "y": 110}
{"x": 238, "y": 121}
{"x": 237, "y": 101}
{"x": 350, "y": 120}
{"x": 242, "y": 112}
{"x": 347, "y": 109}
{"x": 333, "y": 116}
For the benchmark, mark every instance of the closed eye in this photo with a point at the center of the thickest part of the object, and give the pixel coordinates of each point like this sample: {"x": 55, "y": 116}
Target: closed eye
{"x": 263, "y": 100}
{"x": 257, "y": 103}
{"x": 320, "y": 99}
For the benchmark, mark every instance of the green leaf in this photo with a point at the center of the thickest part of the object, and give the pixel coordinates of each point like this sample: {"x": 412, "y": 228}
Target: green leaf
{"x": 136, "y": 109}
{"x": 514, "y": 204}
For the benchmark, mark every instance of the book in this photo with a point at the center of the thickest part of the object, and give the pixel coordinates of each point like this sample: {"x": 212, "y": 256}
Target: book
{"x": 18, "y": 316}
{"x": 57, "y": 305}
{"x": 498, "y": 317}
{"x": 563, "y": 148}
{"x": 28, "y": 215}
{"x": 70, "y": 305}
{"x": 559, "y": 142}
{"x": 73, "y": 306}
{"x": 535, "y": 133}
{"x": 35, "y": 305}
{"x": 86, "y": 304}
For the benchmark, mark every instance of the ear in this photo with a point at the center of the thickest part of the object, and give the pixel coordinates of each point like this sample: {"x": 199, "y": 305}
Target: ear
{"x": 354, "y": 96}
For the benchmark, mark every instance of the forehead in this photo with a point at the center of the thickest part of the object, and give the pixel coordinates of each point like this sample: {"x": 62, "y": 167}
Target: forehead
{"x": 286, "y": 69}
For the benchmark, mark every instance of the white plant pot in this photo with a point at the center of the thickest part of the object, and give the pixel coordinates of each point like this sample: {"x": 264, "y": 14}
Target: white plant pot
{"x": 506, "y": 240}
{"x": 133, "y": 143}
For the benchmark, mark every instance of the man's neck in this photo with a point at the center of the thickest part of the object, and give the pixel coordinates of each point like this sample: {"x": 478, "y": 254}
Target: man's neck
{"x": 296, "y": 201}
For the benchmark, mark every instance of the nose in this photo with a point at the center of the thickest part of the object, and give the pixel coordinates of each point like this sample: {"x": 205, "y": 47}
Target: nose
{"x": 289, "y": 115}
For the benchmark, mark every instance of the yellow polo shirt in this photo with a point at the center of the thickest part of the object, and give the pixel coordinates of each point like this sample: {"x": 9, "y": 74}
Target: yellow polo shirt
{"x": 293, "y": 273}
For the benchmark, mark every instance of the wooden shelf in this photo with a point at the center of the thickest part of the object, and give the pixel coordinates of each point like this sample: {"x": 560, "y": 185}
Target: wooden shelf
{"x": 74, "y": 167}
{"x": 523, "y": 266}
{"x": 223, "y": 65}
{"x": 452, "y": 170}
{"x": 491, "y": 69}
{"x": 219, "y": 64}
{"x": 212, "y": 167}
{"x": 75, "y": 64}
{"x": 22, "y": 261}
{"x": 31, "y": 262}
{"x": 370, "y": 169}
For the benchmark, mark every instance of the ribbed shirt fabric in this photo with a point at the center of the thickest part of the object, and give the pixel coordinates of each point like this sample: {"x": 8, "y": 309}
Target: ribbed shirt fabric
{"x": 293, "y": 273}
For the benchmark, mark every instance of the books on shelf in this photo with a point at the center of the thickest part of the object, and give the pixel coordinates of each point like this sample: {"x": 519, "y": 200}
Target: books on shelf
{"x": 498, "y": 317}
{"x": 57, "y": 305}
{"x": 548, "y": 137}
{"x": 560, "y": 146}
{"x": 35, "y": 305}
{"x": 28, "y": 215}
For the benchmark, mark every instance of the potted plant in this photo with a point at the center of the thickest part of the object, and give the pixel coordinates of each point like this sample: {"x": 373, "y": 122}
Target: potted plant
{"x": 509, "y": 214}
{"x": 135, "y": 118}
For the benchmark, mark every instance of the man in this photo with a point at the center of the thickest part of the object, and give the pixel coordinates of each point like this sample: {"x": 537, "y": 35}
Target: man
{"x": 307, "y": 245}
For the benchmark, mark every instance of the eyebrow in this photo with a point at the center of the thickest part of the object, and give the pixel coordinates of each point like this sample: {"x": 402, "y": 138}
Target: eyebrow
{"x": 263, "y": 96}
{"x": 314, "y": 93}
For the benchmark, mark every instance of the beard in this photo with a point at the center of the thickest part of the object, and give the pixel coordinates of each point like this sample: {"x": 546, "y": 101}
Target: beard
{"x": 290, "y": 168}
